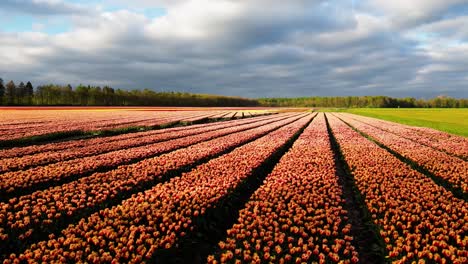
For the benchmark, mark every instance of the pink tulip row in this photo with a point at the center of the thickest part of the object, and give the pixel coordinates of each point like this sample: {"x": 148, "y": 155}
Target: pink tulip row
{"x": 91, "y": 124}
{"x": 196, "y": 118}
{"x": 451, "y": 144}
{"x": 42, "y": 210}
{"x": 157, "y": 218}
{"x": 450, "y": 168}
{"x": 181, "y": 117}
{"x": 97, "y": 146}
{"x": 221, "y": 115}
{"x": 93, "y": 118}
{"x": 105, "y": 116}
{"x": 23, "y": 126}
{"x": 64, "y": 125}
{"x": 297, "y": 215}
{"x": 5, "y": 125}
{"x": 47, "y": 120}
{"x": 19, "y": 181}
{"x": 240, "y": 114}
{"x": 58, "y": 146}
{"x": 418, "y": 219}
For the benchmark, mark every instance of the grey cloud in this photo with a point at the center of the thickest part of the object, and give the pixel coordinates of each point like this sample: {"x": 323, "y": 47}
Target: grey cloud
{"x": 452, "y": 28}
{"x": 260, "y": 51}
{"x": 405, "y": 14}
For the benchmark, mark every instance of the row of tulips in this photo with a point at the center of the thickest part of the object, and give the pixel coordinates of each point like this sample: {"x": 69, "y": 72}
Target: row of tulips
{"x": 42, "y": 211}
{"x": 451, "y": 144}
{"x": 444, "y": 138}
{"x": 229, "y": 115}
{"x": 11, "y": 118}
{"x": 19, "y": 182}
{"x": 93, "y": 124}
{"x": 183, "y": 117}
{"x": 248, "y": 113}
{"x": 241, "y": 114}
{"x": 105, "y": 117}
{"x": 67, "y": 124}
{"x": 450, "y": 168}
{"x": 297, "y": 214}
{"x": 156, "y": 219}
{"x": 41, "y": 177}
{"x": 418, "y": 219}
{"x": 197, "y": 118}
{"x": 71, "y": 144}
{"x": 22, "y": 126}
{"x": 97, "y": 146}
{"x": 97, "y": 120}
{"x": 59, "y": 146}
{"x": 222, "y": 115}
{"x": 48, "y": 119}
{"x": 5, "y": 125}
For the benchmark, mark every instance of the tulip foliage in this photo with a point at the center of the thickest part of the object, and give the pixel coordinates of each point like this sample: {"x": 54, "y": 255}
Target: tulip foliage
{"x": 297, "y": 215}
{"x": 155, "y": 219}
{"x": 450, "y": 168}
{"x": 418, "y": 219}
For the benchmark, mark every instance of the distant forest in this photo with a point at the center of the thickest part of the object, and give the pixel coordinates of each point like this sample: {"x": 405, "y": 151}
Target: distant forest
{"x": 365, "y": 101}
{"x": 81, "y": 95}
{"x": 52, "y": 94}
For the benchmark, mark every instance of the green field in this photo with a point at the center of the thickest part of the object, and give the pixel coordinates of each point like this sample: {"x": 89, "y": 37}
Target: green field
{"x": 451, "y": 120}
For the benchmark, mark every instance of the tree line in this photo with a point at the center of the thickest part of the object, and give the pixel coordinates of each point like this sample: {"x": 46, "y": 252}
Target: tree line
{"x": 365, "y": 101}
{"x": 87, "y": 95}
{"x": 10, "y": 94}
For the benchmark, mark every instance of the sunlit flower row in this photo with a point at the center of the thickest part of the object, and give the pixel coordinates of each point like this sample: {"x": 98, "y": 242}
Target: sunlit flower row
{"x": 452, "y": 144}
{"x": 132, "y": 231}
{"x": 12, "y": 182}
{"x": 41, "y": 210}
{"x": 68, "y": 145}
{"x": 107, "y": 144}
{"x": 442, "y": 165}
{"x": 86, "y": 122}
{"x": 297, "y": 215}
{"x": 63, "y": 123}
{"x": 419, "y": 220}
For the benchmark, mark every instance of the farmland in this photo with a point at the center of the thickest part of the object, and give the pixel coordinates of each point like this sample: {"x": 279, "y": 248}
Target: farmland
{"x": 446, "y": 119}
{"x": 228, "y": 185}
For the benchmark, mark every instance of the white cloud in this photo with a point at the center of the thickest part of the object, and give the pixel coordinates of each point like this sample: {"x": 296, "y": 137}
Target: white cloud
{"x": 365, "y": 26}
{"x": 404, "y": 13}
{"x": 194, "y": 19}
{"x": 250, "y": 48}
{"x": 452, "y": 28}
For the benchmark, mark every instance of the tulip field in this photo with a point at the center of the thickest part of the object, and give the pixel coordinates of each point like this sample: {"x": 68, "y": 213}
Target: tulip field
{"x": 228, "y": 185}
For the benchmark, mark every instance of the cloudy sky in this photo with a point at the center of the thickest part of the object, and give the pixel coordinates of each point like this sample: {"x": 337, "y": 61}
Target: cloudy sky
{"x": 254, "y": 48}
